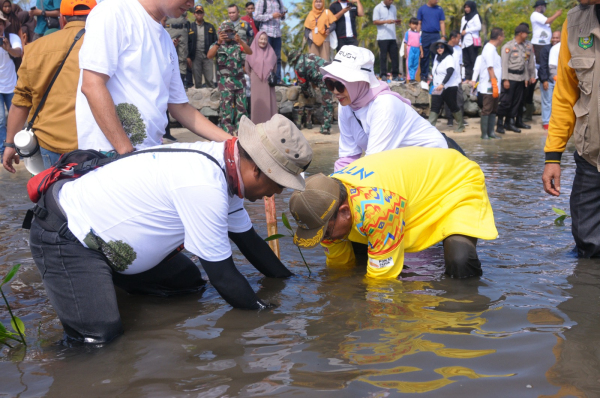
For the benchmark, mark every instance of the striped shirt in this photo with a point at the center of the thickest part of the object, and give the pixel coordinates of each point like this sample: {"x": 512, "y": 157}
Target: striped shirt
{"x": 271, "y": 26}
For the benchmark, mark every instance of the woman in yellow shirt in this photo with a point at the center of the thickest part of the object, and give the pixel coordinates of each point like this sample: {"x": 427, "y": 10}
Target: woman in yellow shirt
{"x": 402, "y": 200}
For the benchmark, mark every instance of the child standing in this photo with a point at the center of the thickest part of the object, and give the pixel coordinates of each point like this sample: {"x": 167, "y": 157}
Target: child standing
{"x": 413, "y": 49}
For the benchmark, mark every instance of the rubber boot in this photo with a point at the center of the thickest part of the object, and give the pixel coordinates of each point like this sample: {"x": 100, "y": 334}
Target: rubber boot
{"x": 433, "y": 117}
{"x": 528, "y": 115}
{"x": 309, "y": 112}
{"x": 459, "y": 120}
{"x": 510, "y": 126}
{"x": 491, "y": 123}
{"x": 500, "y": 125}
{"x": 300, "y": 117}
{"x": 485, "y": 125}
{"x": 520, "y": 123}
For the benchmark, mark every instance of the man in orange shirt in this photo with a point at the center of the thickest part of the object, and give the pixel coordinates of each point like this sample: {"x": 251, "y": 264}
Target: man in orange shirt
{"x": 575, "y": 107}
{"x": 55, "y": 126}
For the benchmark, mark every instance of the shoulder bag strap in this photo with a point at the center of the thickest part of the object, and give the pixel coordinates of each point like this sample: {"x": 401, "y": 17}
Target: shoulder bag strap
{"x": 43, "y": 101}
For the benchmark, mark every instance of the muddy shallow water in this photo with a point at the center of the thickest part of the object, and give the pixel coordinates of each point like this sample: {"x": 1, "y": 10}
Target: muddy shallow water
{"x": 527, "y": 328}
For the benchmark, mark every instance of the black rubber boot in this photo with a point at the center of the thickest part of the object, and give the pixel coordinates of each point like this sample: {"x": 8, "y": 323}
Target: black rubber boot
{"x": 500, "y": 125}
{"x": 491, "y": 123}
{"x": 460, "y": 256}
{"x": 528, "y": 116}
{"x": 508, "y": 125}
{"x": 521, "y": 125}
{"x": 485, "y": 125}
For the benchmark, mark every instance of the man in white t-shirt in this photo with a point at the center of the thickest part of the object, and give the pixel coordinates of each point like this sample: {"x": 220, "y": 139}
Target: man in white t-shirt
{"x": 10, "y": 46}
{"x": 125, "y": 224}
{"x": 130, "y": 78}
{"x": 540, "y": 24}
{"x": 490, "y": 74}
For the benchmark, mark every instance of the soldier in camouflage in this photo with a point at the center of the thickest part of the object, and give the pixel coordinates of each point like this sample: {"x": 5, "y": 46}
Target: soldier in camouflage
{"x": 178, "y": 29}
{"x": 307, "y": 68}
{"x": 228, "y": 51}
{"x": 242, "y": 28}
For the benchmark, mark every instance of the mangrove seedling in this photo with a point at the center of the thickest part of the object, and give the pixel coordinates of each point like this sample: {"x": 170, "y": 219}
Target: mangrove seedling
{"x": 17, "y": 324}
{"x": 560, "y": 220}
{"x": 287, "y": 225}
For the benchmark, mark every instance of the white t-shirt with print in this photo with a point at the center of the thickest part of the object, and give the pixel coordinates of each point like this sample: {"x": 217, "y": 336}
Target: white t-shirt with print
{"x": 8, "y": 75}
{"x": 125, "y": 43}
{"x": 387, "y": 123}
{"x": 542, "y": 33}
{"x": 440, "y": 70}
{"x": 154, "y": 202}
{"x": 489, "y": 58}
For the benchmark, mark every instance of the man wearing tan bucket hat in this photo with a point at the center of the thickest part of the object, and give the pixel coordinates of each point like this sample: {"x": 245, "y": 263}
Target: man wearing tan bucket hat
{"x": 380, "y": 201}
{"x": 128, "y": 221}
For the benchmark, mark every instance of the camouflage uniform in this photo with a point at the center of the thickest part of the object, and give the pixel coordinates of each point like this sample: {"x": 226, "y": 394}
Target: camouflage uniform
{"x": 230, "y": 70}
{"x": 179, "y": 27}
{"x": 307, "y": 68}
{"x": 244, "y": 30}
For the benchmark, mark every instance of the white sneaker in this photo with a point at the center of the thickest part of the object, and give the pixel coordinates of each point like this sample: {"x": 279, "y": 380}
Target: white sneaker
{"x": 424, "y": 85}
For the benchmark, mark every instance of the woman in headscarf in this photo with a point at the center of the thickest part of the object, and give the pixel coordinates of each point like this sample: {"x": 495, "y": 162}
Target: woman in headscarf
{"x": 10, "y": 11}
{"x": 317, "y": 26}
{"x": 470, "y": 26}
{"x": 259, "y": 64}
{"x": 445, "y": 84}
{"x": 371, "y": 117}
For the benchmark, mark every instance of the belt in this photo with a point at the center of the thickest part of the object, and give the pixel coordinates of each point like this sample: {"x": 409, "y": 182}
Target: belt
{"x": 176, "y": 26}
{"x": 516, "y": 72}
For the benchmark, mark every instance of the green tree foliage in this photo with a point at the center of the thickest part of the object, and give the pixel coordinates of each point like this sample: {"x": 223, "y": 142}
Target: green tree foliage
{"x": 132, "y": 122}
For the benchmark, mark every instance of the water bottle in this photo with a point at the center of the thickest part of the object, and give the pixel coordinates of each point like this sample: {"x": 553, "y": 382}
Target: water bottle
{"x": 29, "y": 149}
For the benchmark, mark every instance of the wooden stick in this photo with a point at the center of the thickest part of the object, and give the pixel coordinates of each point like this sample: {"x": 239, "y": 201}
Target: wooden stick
{"x": 271, "y": 213}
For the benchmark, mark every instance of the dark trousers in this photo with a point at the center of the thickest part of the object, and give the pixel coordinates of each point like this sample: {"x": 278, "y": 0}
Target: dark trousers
{"x": 460, "y": 257}
{"x": 469, "y": 56}
{"x": 427, "y": 39}
{"x": 488, "y": 104}
{"x": 448, "y": 97}
{"x": 81, "y": 285}
{"x": 460, "y": 102}
{"x": 585, "y": 208}
{"x": 346, "y": 41}
{"x": 511, "y": 99}
{"x": 275, "y": 42}
{"x": 388, "y": 47}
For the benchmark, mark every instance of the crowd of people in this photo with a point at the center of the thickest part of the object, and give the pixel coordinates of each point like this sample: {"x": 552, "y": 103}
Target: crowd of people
{"x": 106, "y": 82}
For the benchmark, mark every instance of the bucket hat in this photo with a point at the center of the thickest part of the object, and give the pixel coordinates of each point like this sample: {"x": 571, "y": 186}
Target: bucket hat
{"x": 433, "y": 47}
{"x": 278, "y": 148}
{"x": 539, "y": 3}
{"x": 353, "y": 64}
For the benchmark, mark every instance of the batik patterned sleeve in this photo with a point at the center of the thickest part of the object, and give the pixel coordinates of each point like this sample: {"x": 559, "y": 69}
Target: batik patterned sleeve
{"x": 379, "y": 216}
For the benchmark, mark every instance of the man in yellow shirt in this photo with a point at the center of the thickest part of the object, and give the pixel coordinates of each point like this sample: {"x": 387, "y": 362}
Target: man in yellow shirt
{"x": 397, "y": 201}
{"x": 54, "y": 127}
{"x": 575, "y": 107}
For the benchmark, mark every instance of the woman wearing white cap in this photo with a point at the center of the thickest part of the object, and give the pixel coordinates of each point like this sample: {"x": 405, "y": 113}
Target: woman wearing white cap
{"x": 372, "y": 118}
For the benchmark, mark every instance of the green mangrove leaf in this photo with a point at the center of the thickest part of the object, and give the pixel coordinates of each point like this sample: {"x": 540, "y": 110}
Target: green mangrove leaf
{"x": 274, "y": 237}
{"x": 10, "y": 274}
{"x": 286, "y": 222}
{"x": 18, "y": 325}
{"x": 560, "y": 212}
{"x": 560, "y": 221}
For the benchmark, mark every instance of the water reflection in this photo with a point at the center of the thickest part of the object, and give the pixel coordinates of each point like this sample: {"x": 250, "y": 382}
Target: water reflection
{"x": 531, "y": 321}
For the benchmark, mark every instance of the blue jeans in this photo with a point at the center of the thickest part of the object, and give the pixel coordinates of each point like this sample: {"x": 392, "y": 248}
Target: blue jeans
{"x": 427, "y": 39}
{"x": 49, "y": 157}
{"x": 5, "y": 100}
{"x": 275, "y": 42}
{"x": 547, "y": 102}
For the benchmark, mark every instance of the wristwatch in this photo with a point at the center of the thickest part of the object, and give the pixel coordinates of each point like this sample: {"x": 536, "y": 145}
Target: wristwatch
{"x": 8, "y": 144}
{"x": 44, "y": 13}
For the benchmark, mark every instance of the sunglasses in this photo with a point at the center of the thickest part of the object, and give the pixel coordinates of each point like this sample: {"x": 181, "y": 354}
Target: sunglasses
{"x": 198, "y": 12}
{"x": 334, "y": 84}
{"x": 440, "y": 46}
